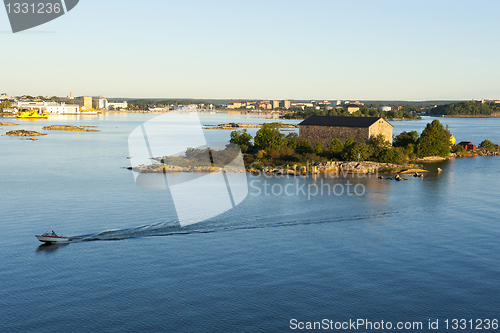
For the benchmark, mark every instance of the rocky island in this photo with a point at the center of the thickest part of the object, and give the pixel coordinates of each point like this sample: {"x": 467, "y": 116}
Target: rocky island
{"x": 69, "y": 128}
{"x": 24, "y": 133}
{"x": 8, "y": 124}
{"x": 235, "y": 125}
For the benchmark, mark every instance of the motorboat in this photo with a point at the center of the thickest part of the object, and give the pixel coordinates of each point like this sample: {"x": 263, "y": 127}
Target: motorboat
{"x": 51, "y": 237}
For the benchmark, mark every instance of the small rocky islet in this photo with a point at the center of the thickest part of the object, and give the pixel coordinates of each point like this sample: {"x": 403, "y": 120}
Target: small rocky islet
{"x": 70, "y": 128}
{"x": 24, "y": 133}
{"x": 8, "y": 124}
{"x": 237, "y": 125}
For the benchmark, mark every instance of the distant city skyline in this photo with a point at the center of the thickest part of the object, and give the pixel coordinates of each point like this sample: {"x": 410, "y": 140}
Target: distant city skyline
{"x": 276, "y": 50}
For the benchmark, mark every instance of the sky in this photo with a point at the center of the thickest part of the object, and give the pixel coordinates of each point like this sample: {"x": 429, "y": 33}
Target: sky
{"x": 272, "y": 49}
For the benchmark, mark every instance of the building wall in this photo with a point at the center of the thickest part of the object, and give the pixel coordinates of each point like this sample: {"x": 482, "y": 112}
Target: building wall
{"x": 352, "y": 109}
{"x": 63, "y": 109}
{"x": 326, "y": 134}
{"x": 381, "y": 127}
{"x": 112, "y": 105}
{"x": 285, "y": 104}
{"x": 86, "y": 102}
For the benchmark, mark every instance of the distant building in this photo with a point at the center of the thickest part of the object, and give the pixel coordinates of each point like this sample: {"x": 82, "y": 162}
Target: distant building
{"x": 325, "y": 129}
{"x": 234, "y": 105}
{"x": 352, "y": 108}
{"x": 49, "y": 107}
{"x": 385, "y": 108}
{"x": 276, "y": 104}
{"x": 467, "y": 145}
{"x": 285, "y": 104}
{"x": 86, "y": 102}
{"x": 117, "y": 105}
{"x": 5, "y": 97}
{"x": 62, "y": 108}
{"x": 102, "y": 103}
{"x": 339, "y": 102}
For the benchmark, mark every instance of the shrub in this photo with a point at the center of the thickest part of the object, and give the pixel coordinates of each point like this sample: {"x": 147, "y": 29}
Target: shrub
{"x": 457, "y": 149}
{"x": 319, "y": 148}
{"x": 352, "y": 151}
{"x": 336, "y": 146}
{"x": 394, "y": 155}
{"x": 406, "y": 138}
{"x": 487, "y": 144}
{"x": 349, "y": 142}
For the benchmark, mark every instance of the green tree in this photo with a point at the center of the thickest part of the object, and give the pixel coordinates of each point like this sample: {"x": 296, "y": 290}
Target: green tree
{"x": 406, "y": 138}
{"x": 434, "y": 141}
{"x": 319, "y": 148}
{"x": 392, "y": 155}
{"x": 487, "y": 144}
{"x": 304, "y": 147}
{"x": 269, "y": 137}
{"x": 94, "y": 104}
{"x": 379, "y": 143}
{"x": 292, "y": 140}
{"x": 336, "y": 146}
{"x": 349, "y": 142}
{"x": 5, "y": 104}
{"x": 242, "y": 139}
{"x": 351, "y": 152}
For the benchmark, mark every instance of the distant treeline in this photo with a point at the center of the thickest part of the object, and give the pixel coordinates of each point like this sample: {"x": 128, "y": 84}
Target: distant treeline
{"x": 466, "y": 108}
{"x": 146, "y": 103}
{"x": 364, "y": 112}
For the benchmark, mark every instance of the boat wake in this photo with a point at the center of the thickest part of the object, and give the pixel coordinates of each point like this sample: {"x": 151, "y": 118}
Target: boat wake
{"x": 172, "y": 228}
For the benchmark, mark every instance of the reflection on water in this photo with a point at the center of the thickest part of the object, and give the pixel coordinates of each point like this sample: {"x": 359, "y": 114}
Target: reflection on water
{"x": 50, "y": 248}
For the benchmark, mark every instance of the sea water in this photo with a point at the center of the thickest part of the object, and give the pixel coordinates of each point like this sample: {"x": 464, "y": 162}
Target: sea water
{"x": 411, "y": 251}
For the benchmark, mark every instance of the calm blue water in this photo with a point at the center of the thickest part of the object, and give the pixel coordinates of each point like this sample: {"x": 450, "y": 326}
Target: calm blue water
{"x": 403, "y": 251}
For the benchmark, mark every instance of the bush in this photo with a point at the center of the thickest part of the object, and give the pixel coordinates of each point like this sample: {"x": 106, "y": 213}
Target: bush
{"x": 352, "y": 151}
{"x": 406, "y": 138}
{"x": 487, "y": 144}
{"x": 336, "y": 146}
{"x": 349, "y": 142}
{"x": 319, "y": 148}
{"x": 394, "y": 155}
{"x": 303, "y": 147}
{"x": 457, "y": 149}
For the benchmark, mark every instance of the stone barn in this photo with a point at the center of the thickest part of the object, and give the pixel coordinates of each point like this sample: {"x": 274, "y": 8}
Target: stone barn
{"x": 325, "y": 129}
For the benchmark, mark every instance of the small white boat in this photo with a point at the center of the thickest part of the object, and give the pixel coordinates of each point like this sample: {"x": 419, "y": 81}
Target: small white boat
{"x": 51, "y": 237}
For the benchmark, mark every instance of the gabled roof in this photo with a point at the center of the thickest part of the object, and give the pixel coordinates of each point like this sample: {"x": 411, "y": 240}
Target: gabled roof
{"x": 465, "y": 143}
{"x": 341, "y": 121}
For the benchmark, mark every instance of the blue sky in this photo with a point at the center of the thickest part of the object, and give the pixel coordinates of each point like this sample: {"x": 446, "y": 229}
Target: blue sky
{"x": 316, "y": 49}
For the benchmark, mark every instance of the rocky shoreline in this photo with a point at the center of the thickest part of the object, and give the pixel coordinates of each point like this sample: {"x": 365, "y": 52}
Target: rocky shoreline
{"x": 346, "y": 168}
{"x": 468, "y": 153}
{"x": 342, "y": 167}
{"x": 8, "y": 124}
